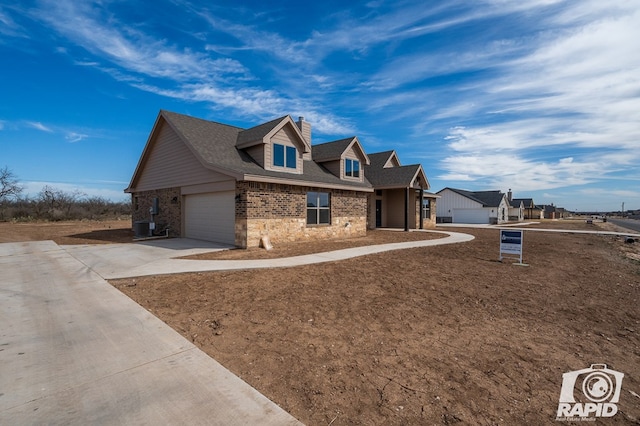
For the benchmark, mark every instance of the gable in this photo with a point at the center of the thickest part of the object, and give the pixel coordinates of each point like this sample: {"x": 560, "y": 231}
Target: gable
{"x": 168, "y": 162}
{"x": 287, "y": 137}
{"x": 392, "y": 161}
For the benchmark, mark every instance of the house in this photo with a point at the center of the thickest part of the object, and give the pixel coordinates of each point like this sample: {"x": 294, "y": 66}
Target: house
{"x": 460, "y": 206}
{"x": 516, "y": 208}
{"x": 529, "y": 208}
{"x": 212, "y": 181}
{"x": 550, "y": 211}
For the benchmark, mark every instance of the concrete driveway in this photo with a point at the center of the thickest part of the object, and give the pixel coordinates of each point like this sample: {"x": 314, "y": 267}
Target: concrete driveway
{"x": 76, "y": 351}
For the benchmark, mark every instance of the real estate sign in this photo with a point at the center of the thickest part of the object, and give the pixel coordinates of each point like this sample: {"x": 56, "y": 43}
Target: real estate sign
{"x": 511, "y": 242}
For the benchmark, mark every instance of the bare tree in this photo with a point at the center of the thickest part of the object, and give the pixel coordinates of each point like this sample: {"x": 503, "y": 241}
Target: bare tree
{"x": 9, "y": 186}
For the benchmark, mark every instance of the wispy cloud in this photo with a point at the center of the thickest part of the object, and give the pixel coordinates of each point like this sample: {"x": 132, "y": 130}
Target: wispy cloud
{"x": 578, "y": 88}
{"x": 133, "y": 50}
{"x": 74, "y": 137}
{"x": 38, "y": 126}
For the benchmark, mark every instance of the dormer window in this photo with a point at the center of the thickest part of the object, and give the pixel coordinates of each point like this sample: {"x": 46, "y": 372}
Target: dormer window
{"x": 352, "y": 168}
{"x": 284, "y": 156}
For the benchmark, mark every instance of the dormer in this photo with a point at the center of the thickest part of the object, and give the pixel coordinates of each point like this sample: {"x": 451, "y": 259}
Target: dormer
{"x": 345, "y": 158}
{"x": 384, "y": 160}
{"x": 277, "y": 145}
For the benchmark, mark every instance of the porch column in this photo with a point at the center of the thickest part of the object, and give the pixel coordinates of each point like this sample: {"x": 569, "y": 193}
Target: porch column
{"x": 406, "y": 209}
{"x": 421, "y": 206}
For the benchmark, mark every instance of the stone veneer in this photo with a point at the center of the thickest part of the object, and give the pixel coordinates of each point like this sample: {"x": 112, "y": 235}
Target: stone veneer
{"x": 279, "y": 211}
{"x": 427, "y": 223}
{"x": 169, "y": 209}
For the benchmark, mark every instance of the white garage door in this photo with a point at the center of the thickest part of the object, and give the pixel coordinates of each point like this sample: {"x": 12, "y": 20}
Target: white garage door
{"x": 210, "y": 217}
{"x": 470, "y": 216}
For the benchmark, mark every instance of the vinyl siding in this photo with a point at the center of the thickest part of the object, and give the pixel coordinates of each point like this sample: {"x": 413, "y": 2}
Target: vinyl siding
{"x": 395, "y": 208}
{"x": 450, "y": 200}
{"x": 286, "y": 137}
{"x": 172, "y": 164}
{"x": 335, "y": 167}
{"x": 351, "y": 154}
{"x": 257, "y": 153}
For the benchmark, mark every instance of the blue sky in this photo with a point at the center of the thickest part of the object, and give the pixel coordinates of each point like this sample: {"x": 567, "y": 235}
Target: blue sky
{"x": 541, "y": 96}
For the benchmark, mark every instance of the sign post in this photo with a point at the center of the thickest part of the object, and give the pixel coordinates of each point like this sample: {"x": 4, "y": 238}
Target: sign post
{"x": 511, "y": 244}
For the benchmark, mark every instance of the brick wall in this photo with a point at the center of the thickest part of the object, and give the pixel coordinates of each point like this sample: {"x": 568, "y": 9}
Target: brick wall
{"x": 169, "y": 212}
{"x": 280, "y": 212}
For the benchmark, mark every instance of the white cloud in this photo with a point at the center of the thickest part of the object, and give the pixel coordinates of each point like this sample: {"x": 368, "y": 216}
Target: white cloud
{"x": 577, "y": 90}
{"x": 75, "y": 137}
{"x": 131, "y": 49}
{"x": 38, "y": 126}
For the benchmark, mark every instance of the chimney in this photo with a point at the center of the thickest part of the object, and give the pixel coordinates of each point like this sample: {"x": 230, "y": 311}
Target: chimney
{"x": 305, "y": 129}
{"x": 509, "y": 195}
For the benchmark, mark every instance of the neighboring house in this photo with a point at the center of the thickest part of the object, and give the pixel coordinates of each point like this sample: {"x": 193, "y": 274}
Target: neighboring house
{"x": 529, "y": 207}
{"x": 460, "y": 206}
{"x": 516, "y": 208}
{"x": 216, "y": 182}
{"x": 550, "y": 211}
{"x": 537, "y": 212}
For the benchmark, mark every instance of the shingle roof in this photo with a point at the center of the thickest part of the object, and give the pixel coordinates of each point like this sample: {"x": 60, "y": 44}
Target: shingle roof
{"x": 258, "y": 132}
{"x": 527, "y": 202}
{"x": 379, "y": 159}
{"x": 215, "y": 144}
{"x": 486, "y": 198}
{"x": 392, "y": 176}
{"x": 330, "y": 150}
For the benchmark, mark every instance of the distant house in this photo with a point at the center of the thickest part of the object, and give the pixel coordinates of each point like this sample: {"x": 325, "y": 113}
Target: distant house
{"x": 530, "y": 211}
{"x": 552, "y": 212}
{"x": 516, "y": 208}
{"x": 212, "y": 181}
{"x": 537, "y": 212}
{"x": 475, "y": 207}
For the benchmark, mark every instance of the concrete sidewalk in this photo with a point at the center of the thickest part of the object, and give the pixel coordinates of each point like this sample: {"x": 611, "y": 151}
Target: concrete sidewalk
{"x": 76, "y": 351}
{"x": 127, "y": 260}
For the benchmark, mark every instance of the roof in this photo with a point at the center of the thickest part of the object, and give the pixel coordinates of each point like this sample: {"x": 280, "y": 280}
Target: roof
{"x": 486, "y": 198}
{"x": 379, "y": 159}
{"x": 527, "y": 202}
{"x": 258, "y": 132}
{"x": 214, "y": 144}
{"x": 392, "y": 177}
{"x": 330, "y": 150}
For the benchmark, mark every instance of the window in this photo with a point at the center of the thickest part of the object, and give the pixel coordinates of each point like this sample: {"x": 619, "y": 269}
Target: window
{"x": 279, "y": 156}
{"x": 318, "y": 208}
{"x": 291, "y": 157}
{"x": 426, "y": 209}
{"x": 352, "y": 168}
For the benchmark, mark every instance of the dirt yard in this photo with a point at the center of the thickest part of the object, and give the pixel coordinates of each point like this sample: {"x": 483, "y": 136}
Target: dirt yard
{"x": 76, "y": 232}
{"x": 436, "y": 335}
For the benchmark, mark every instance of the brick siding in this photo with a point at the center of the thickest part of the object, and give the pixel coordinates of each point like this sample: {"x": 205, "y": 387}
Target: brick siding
{"x": 169, "y": 209}
{"x": 279, "y": 211}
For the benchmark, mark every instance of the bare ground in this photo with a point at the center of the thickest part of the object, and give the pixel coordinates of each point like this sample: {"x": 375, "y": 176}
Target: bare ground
{"x": 436, "y": 335}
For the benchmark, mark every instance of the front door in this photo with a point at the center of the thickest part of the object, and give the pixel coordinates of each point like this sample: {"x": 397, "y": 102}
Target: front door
{"x": 378, "y": 213}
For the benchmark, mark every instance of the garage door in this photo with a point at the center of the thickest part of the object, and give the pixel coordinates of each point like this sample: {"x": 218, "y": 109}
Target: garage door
{"x": 210, "y": 217}
{"x": 470, "y": 216}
